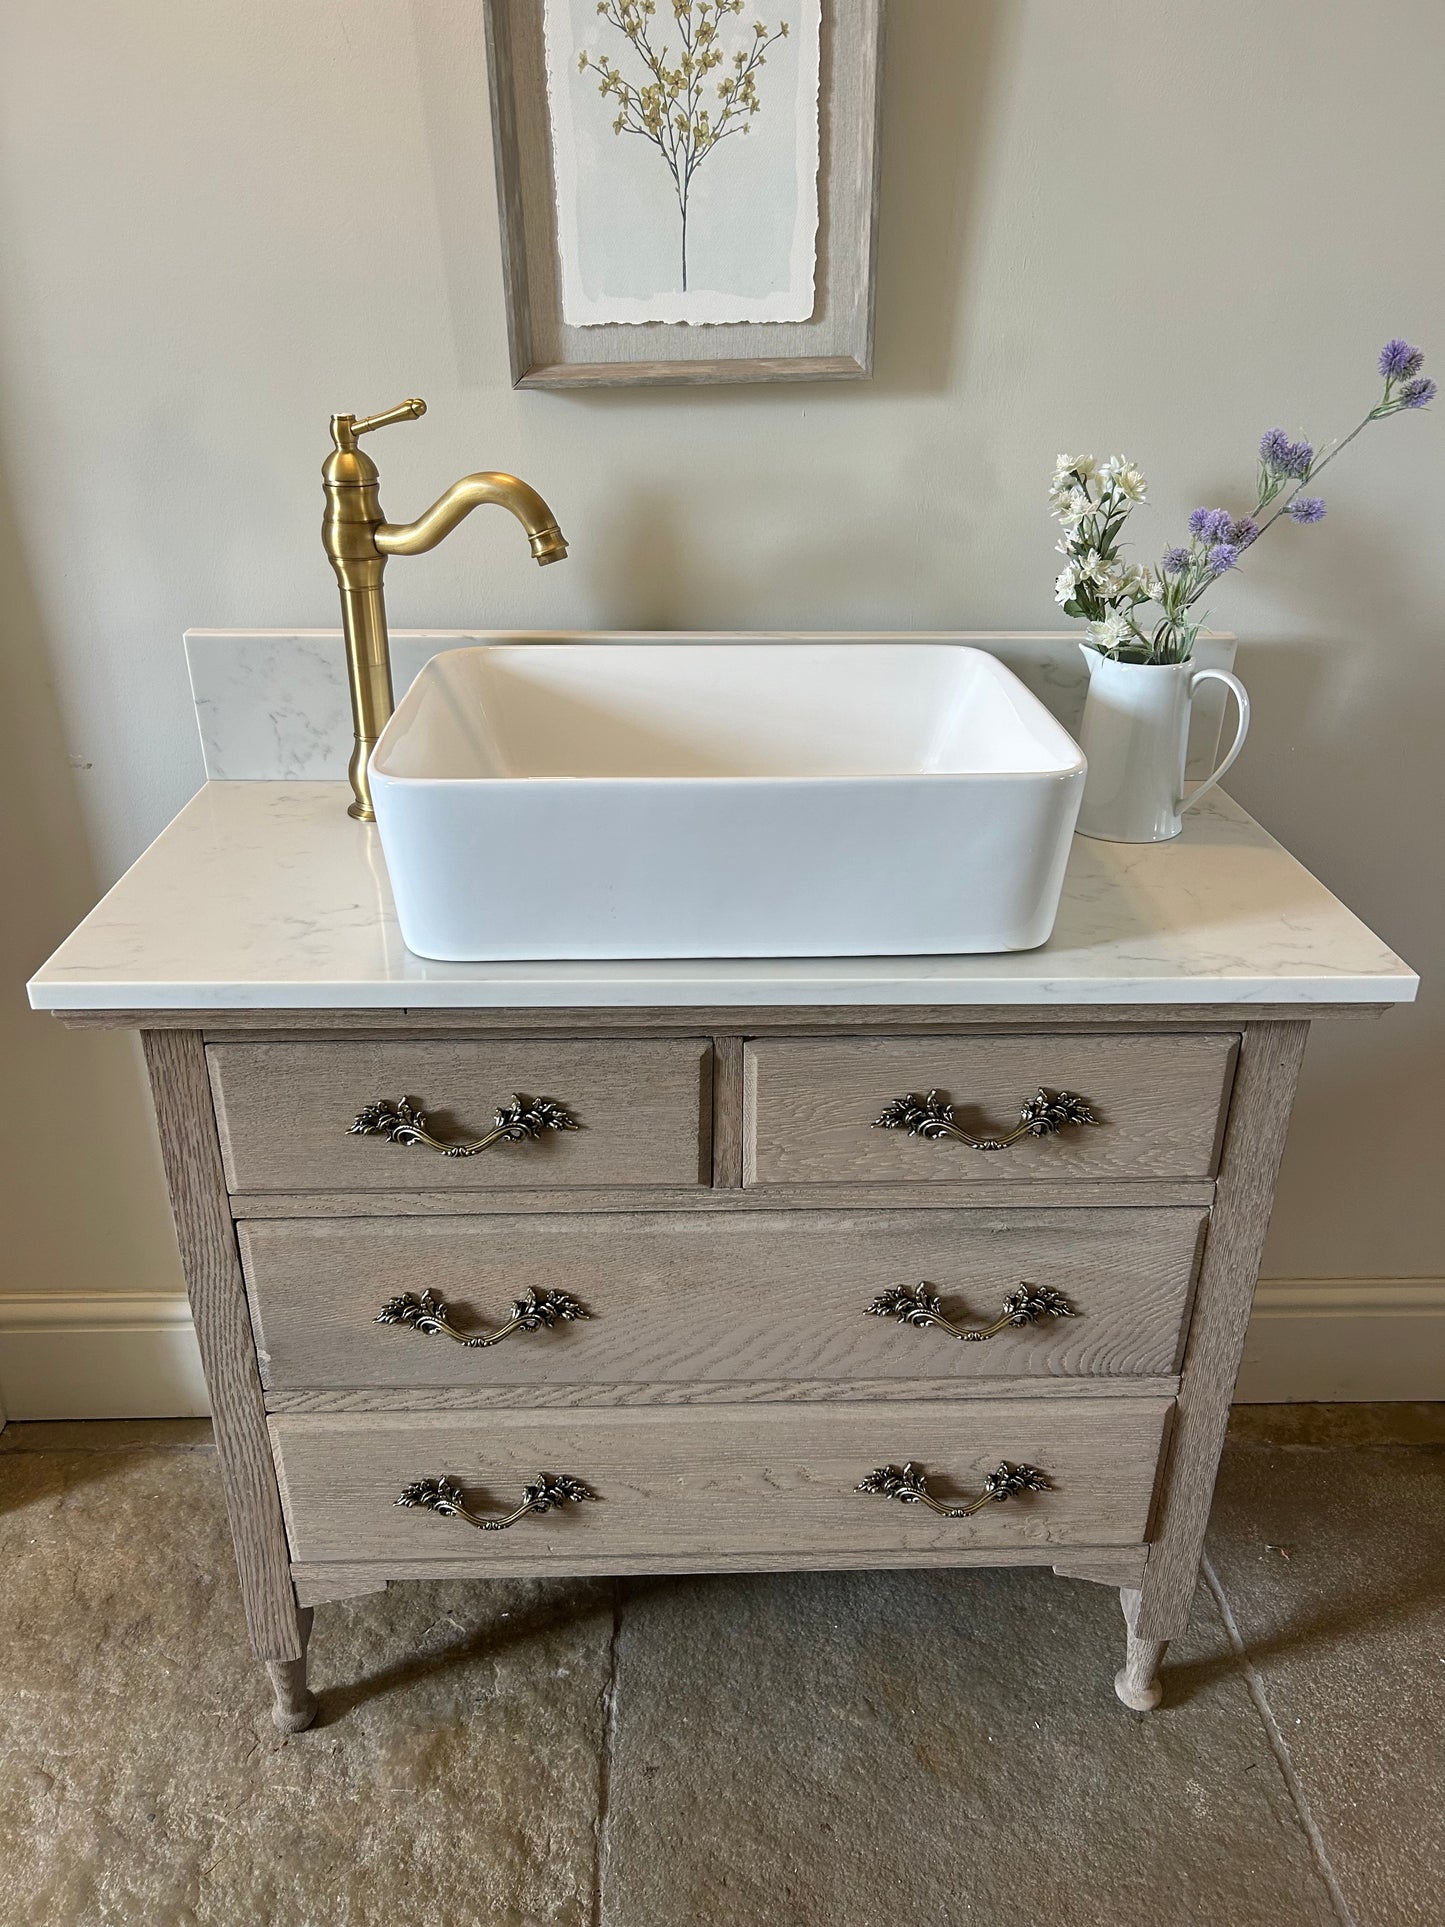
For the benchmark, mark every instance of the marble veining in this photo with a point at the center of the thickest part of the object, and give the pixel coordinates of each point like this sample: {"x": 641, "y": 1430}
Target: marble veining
{"x": 266, "y": 895}
{"x": 272, "y": 704}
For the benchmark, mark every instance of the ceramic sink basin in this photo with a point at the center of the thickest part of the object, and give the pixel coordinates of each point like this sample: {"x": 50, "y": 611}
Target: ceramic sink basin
{"x": 759, "y": 799}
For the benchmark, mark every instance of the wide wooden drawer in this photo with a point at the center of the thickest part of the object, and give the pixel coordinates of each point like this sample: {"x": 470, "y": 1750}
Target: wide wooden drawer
{"x": 812, "y": 1105}
{"x": 285, "y": 1112}
{"x": 764, "y": 1297}
{"x": 718, "y": 1481}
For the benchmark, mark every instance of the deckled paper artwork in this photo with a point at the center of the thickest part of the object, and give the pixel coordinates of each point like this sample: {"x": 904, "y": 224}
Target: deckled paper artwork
{"x": 685, "y": 154}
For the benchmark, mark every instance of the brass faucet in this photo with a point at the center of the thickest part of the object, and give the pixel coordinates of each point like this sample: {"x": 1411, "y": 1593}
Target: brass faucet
{"x": 358, "y": 540}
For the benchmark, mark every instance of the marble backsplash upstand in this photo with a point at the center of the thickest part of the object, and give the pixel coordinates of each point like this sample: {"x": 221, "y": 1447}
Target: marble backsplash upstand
{"x": 272, "y": 704}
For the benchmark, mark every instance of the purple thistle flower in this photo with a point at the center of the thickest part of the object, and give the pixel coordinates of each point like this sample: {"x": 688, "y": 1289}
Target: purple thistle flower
{"x": 1306, "y": 508}
{"x": 1175, "y": 560}
{"x": 1274, "y": 447}
{"x": 1298, "y": 457}
{"x": 1242, "y": 531}
{"x": 1222, "y": 557}
{"x": 1418, "y": 393}
{"x": 1210, "y": 525}
{"x": 1399, "y": 361}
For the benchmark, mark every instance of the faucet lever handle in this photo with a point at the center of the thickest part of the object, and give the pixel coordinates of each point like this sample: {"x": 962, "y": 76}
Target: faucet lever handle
{"x": 346, "y": 428}
{"x": 406, "y": 411}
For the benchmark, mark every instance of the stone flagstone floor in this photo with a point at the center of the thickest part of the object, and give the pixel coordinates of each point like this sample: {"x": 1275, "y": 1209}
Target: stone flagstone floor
{"x": 860, "y": 1750}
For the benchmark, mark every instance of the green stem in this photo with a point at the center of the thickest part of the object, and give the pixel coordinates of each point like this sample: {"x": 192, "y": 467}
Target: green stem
{"x": 1283, "y": 509}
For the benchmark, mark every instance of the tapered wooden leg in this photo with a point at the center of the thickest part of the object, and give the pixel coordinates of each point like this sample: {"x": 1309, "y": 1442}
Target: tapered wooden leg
{"x": 1136, "y": 1682}
{"x": 295, "y": 1706}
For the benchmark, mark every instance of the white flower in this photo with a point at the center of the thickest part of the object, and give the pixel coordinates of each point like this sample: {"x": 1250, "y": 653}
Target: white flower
{"x": 1065, "y": 584}
{"x": 1111, "y": 633}
{"x": 1127, "y": 479}
{"x": 1107, "y": 576}
{"x": 1071, "y": 506}
{"x": 1081, "y": 465}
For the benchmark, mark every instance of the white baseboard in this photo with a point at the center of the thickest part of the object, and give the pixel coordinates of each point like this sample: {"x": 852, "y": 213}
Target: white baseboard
{"x": 99, "y": 1355}
{"x": 103, "y": 1355}
{"x": 1344, "y": 1339}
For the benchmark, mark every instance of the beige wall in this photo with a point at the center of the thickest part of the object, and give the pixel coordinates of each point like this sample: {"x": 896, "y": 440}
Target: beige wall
{"x": 1123, "y": 225}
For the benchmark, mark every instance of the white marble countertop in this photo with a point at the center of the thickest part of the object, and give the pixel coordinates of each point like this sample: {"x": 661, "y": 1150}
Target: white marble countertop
{"x": 265, "y": 895}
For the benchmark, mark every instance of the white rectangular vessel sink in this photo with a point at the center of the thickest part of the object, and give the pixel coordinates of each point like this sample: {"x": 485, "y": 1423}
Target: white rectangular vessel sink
{"x": 758, "y": 799}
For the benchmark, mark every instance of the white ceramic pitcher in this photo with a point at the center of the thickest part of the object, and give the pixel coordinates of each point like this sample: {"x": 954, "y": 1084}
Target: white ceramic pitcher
{"x": 1135, "y": 733}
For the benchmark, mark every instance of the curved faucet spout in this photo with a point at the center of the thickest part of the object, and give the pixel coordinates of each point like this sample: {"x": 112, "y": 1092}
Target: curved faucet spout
{"x": 472, "y": 491}
{"x": 358, "y": 541}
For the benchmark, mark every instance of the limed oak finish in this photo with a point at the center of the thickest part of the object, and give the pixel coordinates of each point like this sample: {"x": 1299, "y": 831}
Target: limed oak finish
{"x": 811, "y": 1104}
{"x": 644, "y": 1110}
{"x": 749, "y": 1297}
{"x": 699, "y": 1484}
{"x": 728, "y": 1323}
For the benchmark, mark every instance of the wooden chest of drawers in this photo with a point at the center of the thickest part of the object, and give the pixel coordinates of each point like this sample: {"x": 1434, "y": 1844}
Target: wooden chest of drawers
{"x": 283, "y": 1111}
{"x": 804, "y": 1289}
{"x": 681, "y": 1488}
{"x": 811, "y": 1105}
{"x": 692, "y": 1304}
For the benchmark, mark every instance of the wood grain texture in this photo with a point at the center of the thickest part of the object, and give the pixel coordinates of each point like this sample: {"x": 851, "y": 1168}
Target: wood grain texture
{"x": 836, "y": 343}
{"x": 1136, "y": 1683}
{"x": 497, "y": 1559}
{"x": 1106, "y": 1193}
{"x": 284, "y": 1112}
{"x": 497, "y": 25}
{"x": 698, "y": 374}
{"x": 751, "y": 1296}
{"x": 961, "y": 1019}
{"x": 295, "y": 1707}
{"x": 727, "y": 1113}
{"x": 1264, "y": 1089}
{"x": 325, "y": 1585}
{"x": 809, "y": 1106}
{"x": 1114, "y": 1569}
{"x": 175, "y": 1061}
{"x": 715, "y": 1391}
{"x": 711, "y": 1483}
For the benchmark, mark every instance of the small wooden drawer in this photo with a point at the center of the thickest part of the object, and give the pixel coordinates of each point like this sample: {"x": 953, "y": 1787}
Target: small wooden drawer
{"x": 286, "y": 1112}
{"x": 717, "y": 1482}
{"x": 811, "y": 1106}
{"x": 704, "y": 1300}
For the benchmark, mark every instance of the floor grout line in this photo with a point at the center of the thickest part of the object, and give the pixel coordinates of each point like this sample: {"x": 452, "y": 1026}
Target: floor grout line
{"x": 604, "y": 1761}
{"x": 1279, "y": 1746}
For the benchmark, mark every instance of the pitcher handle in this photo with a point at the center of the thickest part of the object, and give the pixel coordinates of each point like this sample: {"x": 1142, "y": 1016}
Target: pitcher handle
{"x": 1241, "y": 697}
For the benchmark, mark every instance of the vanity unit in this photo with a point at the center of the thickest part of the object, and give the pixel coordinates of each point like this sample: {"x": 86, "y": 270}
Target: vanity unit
{"x": 526, "y": 1269}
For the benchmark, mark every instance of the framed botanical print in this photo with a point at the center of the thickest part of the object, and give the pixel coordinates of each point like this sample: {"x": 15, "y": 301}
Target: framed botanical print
{"x": 687, "y": 188}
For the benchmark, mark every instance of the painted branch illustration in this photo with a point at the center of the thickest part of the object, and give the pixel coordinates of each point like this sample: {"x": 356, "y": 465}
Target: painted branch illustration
{"x": 678, "y": 107}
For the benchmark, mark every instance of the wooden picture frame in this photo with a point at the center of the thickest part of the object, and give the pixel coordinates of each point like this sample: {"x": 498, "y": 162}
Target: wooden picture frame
{"x": 836, "y": 344}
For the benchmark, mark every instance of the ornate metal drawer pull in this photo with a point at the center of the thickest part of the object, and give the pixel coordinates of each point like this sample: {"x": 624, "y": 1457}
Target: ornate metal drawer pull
{"x": 522, "y": 1119}
{"x": 919, "y": 1307}
{"x": 425, "y": 1312}
{"x": 911, "y": 1487}
{"x": 541, "y": 1495}
{"x": 929, "y": 1116}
